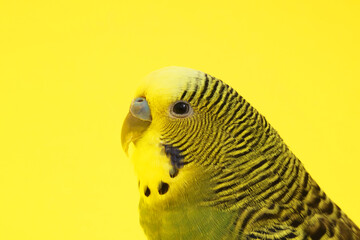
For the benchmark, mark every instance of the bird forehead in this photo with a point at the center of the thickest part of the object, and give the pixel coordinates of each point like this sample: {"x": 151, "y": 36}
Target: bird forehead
{"x": 169, "y": 83}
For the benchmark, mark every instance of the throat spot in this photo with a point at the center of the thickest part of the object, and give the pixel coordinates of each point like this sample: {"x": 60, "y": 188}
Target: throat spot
{"x": 159, "y": 169}
{"x": 175, "y": 155}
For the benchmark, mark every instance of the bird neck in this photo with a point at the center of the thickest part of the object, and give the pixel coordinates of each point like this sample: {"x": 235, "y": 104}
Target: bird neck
{"x": 259, "y": 169}
{"x": 184, "y": 222}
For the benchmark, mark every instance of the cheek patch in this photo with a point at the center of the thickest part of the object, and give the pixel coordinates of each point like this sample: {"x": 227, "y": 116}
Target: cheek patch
{"x": 177, "y": 160}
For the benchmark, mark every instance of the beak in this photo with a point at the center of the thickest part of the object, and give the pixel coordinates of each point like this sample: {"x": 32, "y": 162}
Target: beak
{"x": 136, "y": 122}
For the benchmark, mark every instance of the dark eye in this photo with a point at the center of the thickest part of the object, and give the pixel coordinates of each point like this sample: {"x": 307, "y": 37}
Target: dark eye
{"x": 181, "y": 109}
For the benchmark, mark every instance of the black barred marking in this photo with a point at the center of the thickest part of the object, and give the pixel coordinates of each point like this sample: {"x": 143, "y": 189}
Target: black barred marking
{"x": 217, "y": 154}
{"x": 268, "y": 131}
{"x": 262, "y": 232}
{"x": 323, "y": 195}
{"x": 286, "y": 216}
{"x": 230, "y": 106}
{"x": 216, "y": 140}
{"x": 274, "y": 183}
{"x": 273, "y": 158}
{"x": 169, "y": 131}
{"x": 270, "y": 164}
{"x": 183, "y": 95}
{"x": 314, "y": 200}
{"x": 266, "y": 124}
{"x": 224, "y": 188}
{"x": 258, "y": 165}
{"x": 257, "y": 141}
{"x": 222, "y": 88}
{"x": 269, "y": 171}
{"x": 248, "y": 122}
{"x": 228, "y": 143}
{"x": 317, "y": 230}
{"x": 304, "y": 193}
{"x": 241, "y": 154}
{"x": 286, "y": 166}
{"x": 231, "y": 90}
{"x": 241, "y": 197}
{"x": 233, "y": 95}
{"x": 254, "y": 182}
{"x": 243, "y": 113}
{"x": 251, "y": 235}
{"x": 295, "y": 177}
{"x": 252, "y": 116}
{"x": 247, "y": 134}
{"x": 203, "y": 91}
{"x": 309, "y": 212}
{"x": 331, "y": 232}
{"x": 238, "y": 148}
{"x": 296, "y": 221}
{"x": 328, "y": 208}
{"x": 289, "y": 197}
{"x": 175, "y": 143}
{"x": 292, "y": 182}
{"x": 251, "y": 140}
{"x": 265, "y": 235}
{"x": 236, "y": 222}
{"x": 306, "y": 180}
{"x": 269, "y": 147}
{"x": 272, "y": 191}
{"x": 213, "y": 90}
{"x": 228, "y": 174}
{"x": 294, "y": 170}
{"x": 269, "y": 214}
{"x": 183, "y": 142}
{"x": 299, "y": 207}
{"x": 247, "y": 218}
{"x": 187, "y": 138}
{"x": 241, "y": 130}
{"x": 193, "y": 94}
{"x": 235, "y": 112}
{"x": 224, "y": 102}
{"x": 290, "y": 235}
{"x": 226, "y": 179}
{"x": 272, "y": 230}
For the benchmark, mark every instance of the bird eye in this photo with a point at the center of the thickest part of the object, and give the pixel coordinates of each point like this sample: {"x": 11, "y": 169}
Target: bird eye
{"x": 181, "y": 109}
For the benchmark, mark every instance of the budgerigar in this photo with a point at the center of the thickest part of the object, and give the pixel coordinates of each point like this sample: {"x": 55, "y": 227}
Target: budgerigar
{"x": 211, "y": 167}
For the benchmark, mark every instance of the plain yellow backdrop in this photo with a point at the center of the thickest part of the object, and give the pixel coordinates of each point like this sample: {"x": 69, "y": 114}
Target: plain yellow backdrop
{"x": 68, "y": 70}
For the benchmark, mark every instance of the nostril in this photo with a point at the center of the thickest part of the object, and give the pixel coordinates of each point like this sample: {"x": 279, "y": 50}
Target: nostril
{"x": 163, "y": 188}
{"x": 147, "y": 191}
{"x": 139, "y": 100}
{"x": 140, "y": 109}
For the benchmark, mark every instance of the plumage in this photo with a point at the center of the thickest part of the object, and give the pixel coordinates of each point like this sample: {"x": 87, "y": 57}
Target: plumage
{"x": 211, "y": 167}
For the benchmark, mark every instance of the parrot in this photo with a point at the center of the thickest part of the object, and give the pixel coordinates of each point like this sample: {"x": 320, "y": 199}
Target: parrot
{"x": 210, "y": 166}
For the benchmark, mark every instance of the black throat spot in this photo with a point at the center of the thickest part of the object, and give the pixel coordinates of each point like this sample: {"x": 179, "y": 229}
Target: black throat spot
{"x": 176, "y": 158}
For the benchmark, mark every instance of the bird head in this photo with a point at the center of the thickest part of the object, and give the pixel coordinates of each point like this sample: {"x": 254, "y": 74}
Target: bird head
{"x": 180, "y": 124}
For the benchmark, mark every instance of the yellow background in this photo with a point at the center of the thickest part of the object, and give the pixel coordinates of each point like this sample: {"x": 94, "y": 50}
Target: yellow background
{"x": 68, "y": 70}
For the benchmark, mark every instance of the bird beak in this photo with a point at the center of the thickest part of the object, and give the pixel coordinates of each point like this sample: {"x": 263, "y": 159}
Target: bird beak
{"x": 136, "y": 122}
